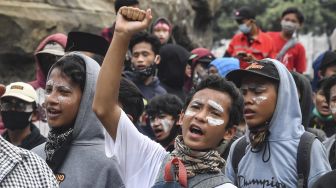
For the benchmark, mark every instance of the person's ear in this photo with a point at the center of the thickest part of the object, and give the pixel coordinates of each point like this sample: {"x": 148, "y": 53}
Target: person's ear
{"x": 130, "y": 117}
{"x": 157, "y": 59}
{"x": 319, "y": 74}
{"x": 314, "y": 97}
{"x": 180, "y": 119}
{"x": 35, "y": 116}
{"x": 230, "y": 133}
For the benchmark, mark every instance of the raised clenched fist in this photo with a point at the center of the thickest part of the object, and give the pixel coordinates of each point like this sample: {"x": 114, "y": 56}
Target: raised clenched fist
{"x": 133, "y": 14}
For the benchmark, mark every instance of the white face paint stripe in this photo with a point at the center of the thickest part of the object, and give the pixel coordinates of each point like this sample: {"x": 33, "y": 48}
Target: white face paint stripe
{"x": 166, "y": 125}
{"x": 333, "y": 108}
{"x": 190, "y": 113}
{"x": 215, "y": 105}
{"x": 214, "y": 121}
{"x": 259, "y": 99}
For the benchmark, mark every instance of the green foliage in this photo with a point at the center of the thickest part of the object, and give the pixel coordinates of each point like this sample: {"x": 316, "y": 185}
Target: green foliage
{"x": 320, "y": 15}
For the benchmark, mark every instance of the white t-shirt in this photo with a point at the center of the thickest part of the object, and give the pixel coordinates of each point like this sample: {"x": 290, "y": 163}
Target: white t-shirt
{"x": 139, "y": 157}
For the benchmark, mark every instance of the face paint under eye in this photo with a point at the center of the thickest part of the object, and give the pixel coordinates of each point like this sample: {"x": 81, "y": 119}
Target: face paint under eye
{"x": 259, "y": 99}
{"x": 333, "y": 108}
{"x": 215, "y": 105}
{"x": 166, "y": 125}
{"x": 190, "y": 113}
{"x": 215, "y": 121}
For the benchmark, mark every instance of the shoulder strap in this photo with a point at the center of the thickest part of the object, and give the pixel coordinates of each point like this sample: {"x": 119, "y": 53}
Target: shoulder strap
{"x": 303, "y": 158}
{"x": 289, "y": 44}
{"x": 238, "y": 153}
{"x": 208, "y": 180}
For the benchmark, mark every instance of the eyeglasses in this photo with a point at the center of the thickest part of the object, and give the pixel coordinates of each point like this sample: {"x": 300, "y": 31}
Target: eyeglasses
{"x": 16, "y": 105}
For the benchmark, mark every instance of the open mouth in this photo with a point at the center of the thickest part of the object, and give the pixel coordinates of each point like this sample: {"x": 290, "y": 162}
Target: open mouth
{"x": 196, "y": 130}
{"x": 52, "y": 113}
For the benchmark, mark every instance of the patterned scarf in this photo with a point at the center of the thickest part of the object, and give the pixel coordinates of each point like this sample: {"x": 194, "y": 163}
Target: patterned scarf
{"x": 57, "y": 146}
{"x": 197, "y": 162}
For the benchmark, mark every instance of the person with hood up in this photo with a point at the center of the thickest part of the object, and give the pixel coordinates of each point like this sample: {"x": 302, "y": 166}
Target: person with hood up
{"x": 199, "y": 61}
{"x": 75, "y": 144}
{"x": 145, "y": 50}
{"x": 18, "y": 109}
{"x": 321, "y": 117}
{"x": 47, "y": 53}
{"x": 273, "y": 116}
{"x": 222, "y": 66}
{"x": 306, "y": 103}
{"x": 215, "y": 106}
{"x": 171, "y": 70}
{"x": 162, "y": 29}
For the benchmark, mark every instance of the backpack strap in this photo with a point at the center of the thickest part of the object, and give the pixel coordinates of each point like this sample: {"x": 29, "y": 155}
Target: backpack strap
{"x": 238, "y": 153}
{"x": 208, "y": 180}
{"x": 303, "y": 158}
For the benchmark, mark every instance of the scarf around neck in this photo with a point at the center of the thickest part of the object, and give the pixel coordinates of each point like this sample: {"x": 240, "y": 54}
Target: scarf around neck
{"x": 57, "y": 147}
{"x": 197, "y": 162}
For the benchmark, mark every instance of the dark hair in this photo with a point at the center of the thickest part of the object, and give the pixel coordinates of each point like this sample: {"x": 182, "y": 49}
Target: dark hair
{"x": 148, "y": 38}
{"x": 167, "y": 103}
{"x": 120, "y": 3}
{"x": 293, "y": 10}
{"x": 327, "y": 85}
{"x": 131, "y": 99}
{"x": 218, "y": 83}
{"x": 72, "y": 66}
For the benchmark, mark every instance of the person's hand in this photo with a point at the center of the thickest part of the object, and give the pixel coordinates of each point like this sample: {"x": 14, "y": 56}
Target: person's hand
{"x": 2, "y": 89}
{"x": 132, "y": 20}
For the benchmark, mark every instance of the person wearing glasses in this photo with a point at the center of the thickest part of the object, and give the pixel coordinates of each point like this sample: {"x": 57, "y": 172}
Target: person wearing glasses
{"x": 18, "y": 110}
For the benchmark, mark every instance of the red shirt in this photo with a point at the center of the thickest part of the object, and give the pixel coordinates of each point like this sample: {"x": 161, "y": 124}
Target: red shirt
{"x": 260, "y": 48}
{"x": 295, "y": 57}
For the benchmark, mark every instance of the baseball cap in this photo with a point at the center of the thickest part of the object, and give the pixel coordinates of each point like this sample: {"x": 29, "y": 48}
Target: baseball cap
{"x": 52, "y": 48}
{"x": 244, "y": 13}
{"x": 81, "y": 41}
{"x": 201, "y": 55}
{"x": 328, "y": 59}
{"x": 225, "y": 65}
{"x": 262, "y": 68}
{"x": 22, "y": 91}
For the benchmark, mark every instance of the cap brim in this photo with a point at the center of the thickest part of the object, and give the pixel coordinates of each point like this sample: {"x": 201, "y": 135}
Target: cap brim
{"x": 53, "y": 52}
{"x": 236, "y": 76}
{"x": 19, "y": 96}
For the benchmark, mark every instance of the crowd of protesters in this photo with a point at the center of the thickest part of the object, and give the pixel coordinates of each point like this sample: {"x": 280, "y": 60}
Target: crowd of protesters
{"x": 133, "y": 108}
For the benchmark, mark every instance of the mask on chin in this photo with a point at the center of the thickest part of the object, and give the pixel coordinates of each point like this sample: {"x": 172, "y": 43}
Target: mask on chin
{"x": 16, "y": 120}
{"x": 146, "y": 72}
{"x": 289, "y": 27}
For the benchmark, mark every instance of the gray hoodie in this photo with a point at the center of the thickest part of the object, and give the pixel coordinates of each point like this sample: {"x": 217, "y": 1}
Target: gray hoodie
{"x": 286, "y": 129}
{"x": 86, "y": 164}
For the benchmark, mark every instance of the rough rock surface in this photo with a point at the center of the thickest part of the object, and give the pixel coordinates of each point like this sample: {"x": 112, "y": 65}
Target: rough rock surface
{"x": 24, "y": 23}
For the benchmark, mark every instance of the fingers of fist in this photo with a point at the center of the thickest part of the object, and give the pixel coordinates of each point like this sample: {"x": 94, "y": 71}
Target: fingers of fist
{"x": 133, "y": 14}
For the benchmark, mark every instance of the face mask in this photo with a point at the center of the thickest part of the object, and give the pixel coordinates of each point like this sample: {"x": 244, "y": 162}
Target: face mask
{"x": 16, "y": 120}
{"x": 146, "y": 72}
{"x": 288, "y": 27}
{"x": 244, "y": 28}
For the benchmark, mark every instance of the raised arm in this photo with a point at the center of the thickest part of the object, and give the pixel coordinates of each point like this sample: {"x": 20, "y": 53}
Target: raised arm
{"x": 105, "y": 103}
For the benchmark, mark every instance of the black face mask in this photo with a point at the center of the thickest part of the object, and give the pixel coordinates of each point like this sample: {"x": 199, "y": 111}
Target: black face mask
{"x": 144, "y": 73}
{"x": 16, "y": 120}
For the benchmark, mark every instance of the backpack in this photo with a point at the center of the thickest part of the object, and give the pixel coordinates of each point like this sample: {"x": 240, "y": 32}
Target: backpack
{"x": 167, "y": 179}
{"x": 302, "y": 160}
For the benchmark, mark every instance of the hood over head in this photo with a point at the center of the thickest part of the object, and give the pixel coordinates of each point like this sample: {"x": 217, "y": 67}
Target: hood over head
{"x": 286, "y": 122}
{"x": 59, "y": 38}
{"x": 306, "y": 101}
{"x": 171, "y": 69}
{"x": 87, "y": 129}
